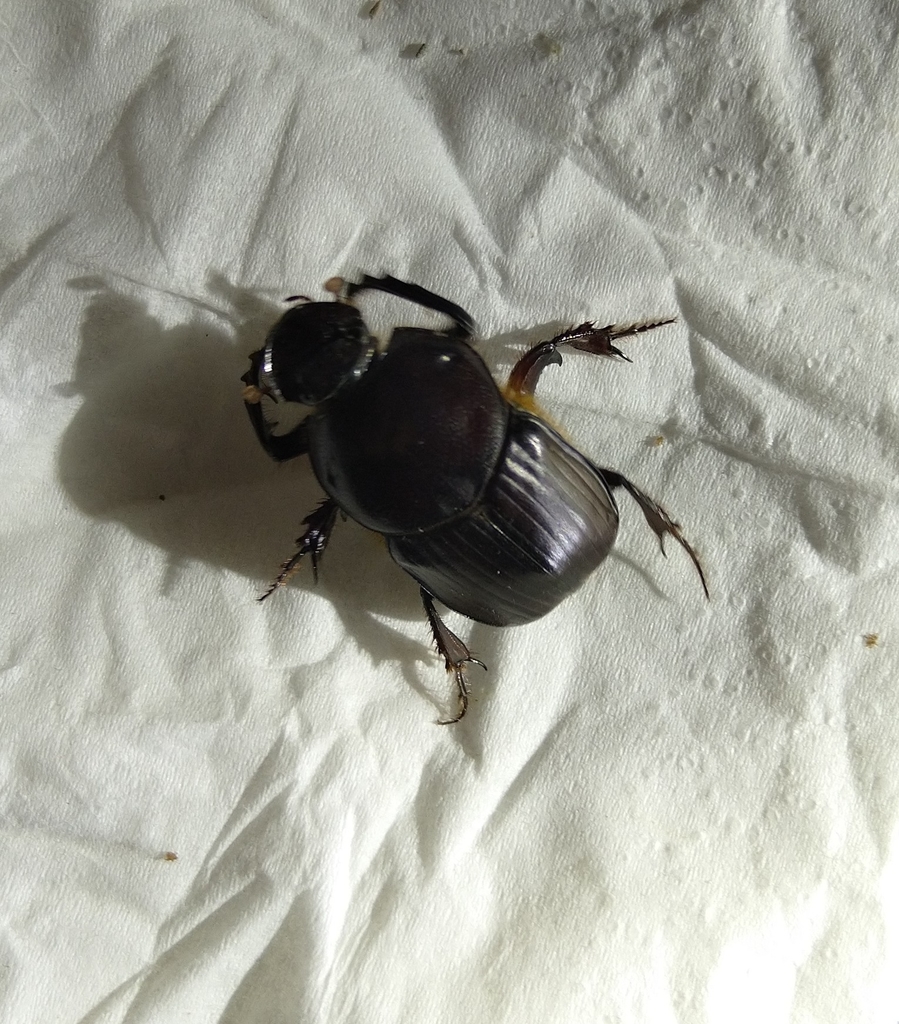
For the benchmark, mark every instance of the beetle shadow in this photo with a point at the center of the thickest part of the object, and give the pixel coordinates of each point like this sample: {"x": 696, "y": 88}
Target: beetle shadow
{"x": 161, "y": 445}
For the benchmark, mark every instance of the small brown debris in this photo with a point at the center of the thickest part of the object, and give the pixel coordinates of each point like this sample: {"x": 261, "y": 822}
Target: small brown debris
{"x": 548, "y": 46}
{"x": 413, "y": 51}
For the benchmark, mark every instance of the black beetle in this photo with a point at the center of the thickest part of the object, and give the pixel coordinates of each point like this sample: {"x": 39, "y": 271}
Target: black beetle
{"x": 480, "y": 500}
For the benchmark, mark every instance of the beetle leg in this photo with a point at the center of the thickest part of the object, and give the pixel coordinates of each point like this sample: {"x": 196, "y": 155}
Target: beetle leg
{"x": 585, "y": 337}
{"x": 313, "y": 542}
{"x": 454, "y": 653}
{"x": 420, "y": 296}
{"x": 657, "y": 518}
{"x": 280, "y": 447}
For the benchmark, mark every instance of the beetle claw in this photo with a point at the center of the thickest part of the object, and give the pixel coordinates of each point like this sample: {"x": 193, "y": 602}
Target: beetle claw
{"x": 461, "y": 678}
{"x": 454, "y": 652}
{"x": 462, "y": 684}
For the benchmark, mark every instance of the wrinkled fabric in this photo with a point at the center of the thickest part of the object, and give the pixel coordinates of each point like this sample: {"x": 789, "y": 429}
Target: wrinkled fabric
{"x": 658, "y": 809}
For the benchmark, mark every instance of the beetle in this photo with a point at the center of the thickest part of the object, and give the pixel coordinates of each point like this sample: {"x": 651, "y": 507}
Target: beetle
{"x": 479, "y": 498}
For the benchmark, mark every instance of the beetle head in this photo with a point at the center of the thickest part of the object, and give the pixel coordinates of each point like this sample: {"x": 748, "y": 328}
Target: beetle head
{"x": 313, "y": 350}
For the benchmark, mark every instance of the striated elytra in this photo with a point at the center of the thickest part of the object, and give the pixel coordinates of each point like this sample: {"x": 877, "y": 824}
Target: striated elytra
{"x": 480, "y": 500}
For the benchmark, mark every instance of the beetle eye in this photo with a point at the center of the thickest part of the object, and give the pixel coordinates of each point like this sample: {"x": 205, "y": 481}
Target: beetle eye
{"x": 313, "y": 350}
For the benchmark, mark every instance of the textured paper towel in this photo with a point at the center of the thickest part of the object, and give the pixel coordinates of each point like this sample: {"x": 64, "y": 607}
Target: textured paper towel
{"x": 658, "y": 809}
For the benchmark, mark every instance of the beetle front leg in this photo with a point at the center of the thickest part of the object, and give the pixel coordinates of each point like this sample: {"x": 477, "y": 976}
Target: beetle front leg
{"x": 586, "y": 337}
{"x": 414, "y": 293}
{"x": 658, "y": 519}
{"x": 454, "y": 653}
{"x": 280, "y": 447}
{"x": 313, "y": 542}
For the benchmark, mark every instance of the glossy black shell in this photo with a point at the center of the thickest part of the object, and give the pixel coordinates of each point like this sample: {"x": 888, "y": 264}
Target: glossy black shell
{"x": 545, "y": 521}
{"x": 415, "y": 441}
{"x": 482, "y": 502}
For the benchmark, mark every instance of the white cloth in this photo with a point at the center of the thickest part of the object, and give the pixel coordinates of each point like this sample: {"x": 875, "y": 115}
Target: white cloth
{"x": 658, "y": 809}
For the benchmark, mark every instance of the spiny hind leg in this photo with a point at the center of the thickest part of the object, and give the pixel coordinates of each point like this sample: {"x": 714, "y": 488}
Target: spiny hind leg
{"x": 598, "y": 341}
{"x": 454, "y": 653}
{"x": 657, "y": 518}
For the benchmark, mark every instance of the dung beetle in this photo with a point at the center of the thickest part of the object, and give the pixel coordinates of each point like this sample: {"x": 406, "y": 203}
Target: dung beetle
{"x": 479, "y": 498}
